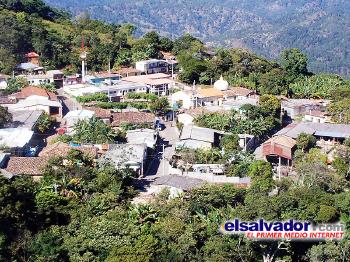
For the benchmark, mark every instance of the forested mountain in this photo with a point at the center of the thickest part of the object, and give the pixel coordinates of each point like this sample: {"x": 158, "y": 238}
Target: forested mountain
{"x": 318, "y": 27}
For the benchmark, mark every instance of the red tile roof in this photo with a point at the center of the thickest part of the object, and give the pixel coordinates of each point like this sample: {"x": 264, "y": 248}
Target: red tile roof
{"x": 33, "y": 90}
{"x": 32, "y": 55}
{"x": 132, "y": 117}
{"x": 99, "y": 112}
{"x": 33, "y": 166}
{"x": 61, "y": 149}
{"x": 127, "y": 70}
{"x": 238, "y": 91}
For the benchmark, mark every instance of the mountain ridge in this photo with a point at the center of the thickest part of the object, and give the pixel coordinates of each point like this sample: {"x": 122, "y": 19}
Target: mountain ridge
{"x": 318, "y": 27}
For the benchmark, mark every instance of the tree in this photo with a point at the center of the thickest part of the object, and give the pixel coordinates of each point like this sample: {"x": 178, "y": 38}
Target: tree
{"x": 273, "y": 82}
{"x": 261, "y": 174}
{"x": 5, "y": 116}
{"x": 294, "y": 62}
{"x": 93, "y": 131}
{"x": 340, "y": 111}
{"x": 305, "y": 142}
{"x": 160, "y": 106}
{"x": 15, "y": 84}
{"x": 229, "y": 143}
{"x": 270, "y": 105}
{"x": 44, "y": 122}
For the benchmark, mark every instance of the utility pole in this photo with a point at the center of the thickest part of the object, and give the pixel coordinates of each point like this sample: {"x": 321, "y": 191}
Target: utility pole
{"x": 163, "y": 158}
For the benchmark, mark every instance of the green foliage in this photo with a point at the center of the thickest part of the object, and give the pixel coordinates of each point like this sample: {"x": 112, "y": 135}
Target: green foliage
{"x": 5, "y": 116}
{"x": 15, "y": 85}
{"x": 229, "y": 143}
{"x": 44, "y": 122}
{"x": 261, "y": 175}
{"x": 112, "y": 105}
{"x": 340, "y": 111}
{"x": 305, "y": 142}
{"x": 49, "y": 87}
{"x": 159, "y": 106}
{"x": 101, "y": 97}
{"x": 129, "y": 126}
{"x": 93, "y": 131}
{"x": 146, "y": 96}
{"x": 294, "y": 62}
{"x": 317, "y": 86}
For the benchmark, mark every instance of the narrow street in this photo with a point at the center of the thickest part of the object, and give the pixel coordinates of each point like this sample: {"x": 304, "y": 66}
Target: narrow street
{"x": 159, "y": 166}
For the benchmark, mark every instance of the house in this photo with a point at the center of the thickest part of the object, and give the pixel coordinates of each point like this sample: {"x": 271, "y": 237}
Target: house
{"x": 298, "y": 107}
{"x": 104, "y": 114}
{"x": 182, "y": 183}
{"x": 102, "y": 77}
{"x": 3, "y": 81}
{"x": 322, "y": 131}
{"x": 16, "y": 139}
{"x": 199, "y": 137}
{"x": 29, "y": 68}
{"x": 208, "y": 96}
{"x": 128, "y": 71}
{"x": 60, "y": 149}
{"x": 280, "y": 146}
{"x": 183, "y": 99}
{"x": 25, "y": 118}
{"x": 51, "y": 77}
{"x": 35, "y": 98}
{"x": 239, "y": 93}
{"x": 236, "y": 104}
{"x": 135, "y": 118}
{"x": 31, "y": 166}
{"x": 33, "y": 58}
{"x": 216, "y": 169}
{"x": 115, "y": 91}
{"x": 142, "y": 136}
{"x": 73, "y": 117}
{"x": 152, "y": 66}
{"x": 157, "y": 83}
{"x": 317, "y": 116}
{"x": 131, "y": 156}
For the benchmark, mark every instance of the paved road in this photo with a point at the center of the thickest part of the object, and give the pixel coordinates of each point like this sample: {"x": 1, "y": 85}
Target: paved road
{"x": 159, "y": 166}
{"x": 68, "y": 103}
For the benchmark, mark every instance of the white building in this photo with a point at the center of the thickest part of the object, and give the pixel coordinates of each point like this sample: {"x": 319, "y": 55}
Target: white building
{"x": 51, "y": 77}
{"x": 152, "y": 66}
{"x": 116, "y": 90}
{"x": 72, "y": 117}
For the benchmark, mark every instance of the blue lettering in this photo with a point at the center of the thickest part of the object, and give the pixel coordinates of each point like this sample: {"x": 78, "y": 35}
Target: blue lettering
{"x": 229, "y": 226}
{"x": 278, "y": 226}
{"x": 288, "y": 226}
{"x": 254, "y": 226}
{"x": 298, "y": 226}
{"x": 243, "y": 226}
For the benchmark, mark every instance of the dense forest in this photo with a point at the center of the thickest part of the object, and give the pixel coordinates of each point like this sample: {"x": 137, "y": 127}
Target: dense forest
{"x": 265, "y": 27}
{"x": 81, "y": 210}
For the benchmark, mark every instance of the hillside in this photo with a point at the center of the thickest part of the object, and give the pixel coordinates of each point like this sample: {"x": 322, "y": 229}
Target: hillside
{"x": 267, "y": 27}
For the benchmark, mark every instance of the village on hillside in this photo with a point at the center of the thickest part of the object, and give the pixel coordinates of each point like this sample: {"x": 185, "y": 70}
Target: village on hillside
{"x": 169, "y": 134}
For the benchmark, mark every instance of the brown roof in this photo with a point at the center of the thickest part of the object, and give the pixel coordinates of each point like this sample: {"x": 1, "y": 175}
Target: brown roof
{"x": 210, "y": 92}
{"x": 34, "y": 90}
{"x": 238, "y": 91}
{"x": 127, "y": 70}
{"x": 33, "y": 166}
{"x": 6, "y": 100}
{"x": 132, "y": 117}
{"x": 316, "y": 113}
{"x": 99, "y": 112}
{"x": 61, "y": 149}
{"x": 282, "y": 140}
{"x": 32, "y": 55}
